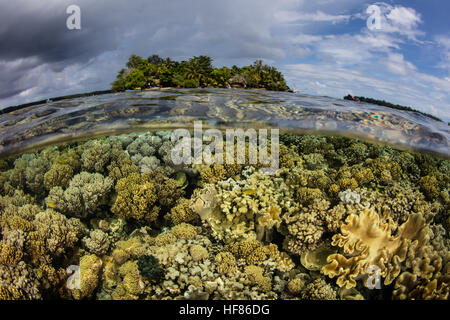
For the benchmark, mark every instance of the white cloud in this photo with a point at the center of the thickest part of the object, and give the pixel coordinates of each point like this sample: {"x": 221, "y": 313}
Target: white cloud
{"x": 420, "y": 91}
{"x": 399, "y": 20}
{"x": 396, "y": 63}
{"x": 444, "y": 44}
{"x": 318, "y": 16}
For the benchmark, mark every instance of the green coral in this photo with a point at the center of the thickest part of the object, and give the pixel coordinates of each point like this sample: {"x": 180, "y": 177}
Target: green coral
{"x": 84, "y": 195}
{"x": 149, "y": 268}
{"x": 96, "y": 155}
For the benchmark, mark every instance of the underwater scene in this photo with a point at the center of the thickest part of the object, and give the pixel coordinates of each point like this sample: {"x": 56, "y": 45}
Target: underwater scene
{"x": 95, "y": 205}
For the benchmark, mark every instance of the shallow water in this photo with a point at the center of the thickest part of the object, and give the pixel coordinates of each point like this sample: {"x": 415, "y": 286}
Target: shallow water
{"x": 130, "y": 111}
{"x": 113, "y": 217}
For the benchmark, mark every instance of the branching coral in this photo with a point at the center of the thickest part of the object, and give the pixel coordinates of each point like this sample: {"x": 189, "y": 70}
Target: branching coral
{"x": 248, "y": 208}
{"x": 168, "y": 190}
{"x": 34, "y": 175}
{"x": 59, "y": 175}
{"x": 96, "y": 155}
{"x": 18, "y": 282}
{"x": 305, "y": 228}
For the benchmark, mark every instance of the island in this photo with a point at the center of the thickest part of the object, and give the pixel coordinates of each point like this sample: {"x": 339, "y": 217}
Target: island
{"x": 197, "y": 72}
{"x": 390, "y": 105}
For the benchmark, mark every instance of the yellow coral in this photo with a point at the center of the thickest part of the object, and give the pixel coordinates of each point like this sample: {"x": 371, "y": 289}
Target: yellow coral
{"x": 225, "y": 262}
{"x": 185, "y": 231}
{"x": 90, "y": 267}
{"x": 181, "y": 212}
{"x": 58, "y": 175}
{"x": 256, "y": 277}
{"x": 136, "y": 196}
{"x": 369, "y": 242}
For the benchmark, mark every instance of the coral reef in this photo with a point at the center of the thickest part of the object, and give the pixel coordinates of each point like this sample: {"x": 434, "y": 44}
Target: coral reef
{"x": 338, "y": 212}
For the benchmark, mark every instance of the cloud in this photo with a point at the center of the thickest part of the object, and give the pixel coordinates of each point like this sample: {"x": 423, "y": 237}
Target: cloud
{"x": 443, "y": 42}
{"x": 420, "y": 91}
{"x": 35, "y": 39}
{"x": 396, "y": 63}
{"x": 318, "y": 16}
{"x": 399, "y": 20}
{"x": 40, "y": 58}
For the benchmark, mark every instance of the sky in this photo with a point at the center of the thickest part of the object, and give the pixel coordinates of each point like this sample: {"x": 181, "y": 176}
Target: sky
{"x": 398, "y": 51}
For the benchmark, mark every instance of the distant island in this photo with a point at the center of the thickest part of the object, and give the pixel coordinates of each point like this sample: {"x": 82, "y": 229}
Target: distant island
{"x": 197, "y": 72}
{"x": 389, "y": 105}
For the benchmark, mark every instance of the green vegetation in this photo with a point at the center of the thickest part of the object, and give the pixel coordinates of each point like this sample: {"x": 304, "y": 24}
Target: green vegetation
{"x": 390, "y": 105}
{"x": 196, "y": 72}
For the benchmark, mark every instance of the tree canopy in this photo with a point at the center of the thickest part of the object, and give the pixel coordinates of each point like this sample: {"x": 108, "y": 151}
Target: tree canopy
{"x": 198, "y": 71}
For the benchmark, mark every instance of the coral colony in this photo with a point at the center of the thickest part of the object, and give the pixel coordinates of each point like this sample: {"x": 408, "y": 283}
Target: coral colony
{"x": 339, "y": 219}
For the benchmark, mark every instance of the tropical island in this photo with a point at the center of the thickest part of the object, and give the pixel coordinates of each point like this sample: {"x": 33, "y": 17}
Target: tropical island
{"x": 197, "y": 72}
{"x": 389, "y": 105}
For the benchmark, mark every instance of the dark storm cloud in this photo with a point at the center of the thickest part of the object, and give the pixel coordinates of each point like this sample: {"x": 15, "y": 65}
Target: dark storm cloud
{"x": 37, "y": 49}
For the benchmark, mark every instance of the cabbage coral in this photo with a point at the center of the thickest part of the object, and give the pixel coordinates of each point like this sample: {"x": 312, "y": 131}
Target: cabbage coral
{"x": 369, "y": 242}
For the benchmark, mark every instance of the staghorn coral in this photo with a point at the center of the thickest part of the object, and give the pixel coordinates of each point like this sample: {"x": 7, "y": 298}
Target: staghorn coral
{"x": 85, "y": 194}
{"x": 136, "y": 197}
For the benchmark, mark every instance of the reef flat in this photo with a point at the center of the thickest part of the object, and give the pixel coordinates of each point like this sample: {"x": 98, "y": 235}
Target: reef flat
{"x": 115, "y": 218}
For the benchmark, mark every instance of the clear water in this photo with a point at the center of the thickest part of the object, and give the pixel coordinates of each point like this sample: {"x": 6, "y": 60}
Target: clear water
{"x": 65, "y": 120}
